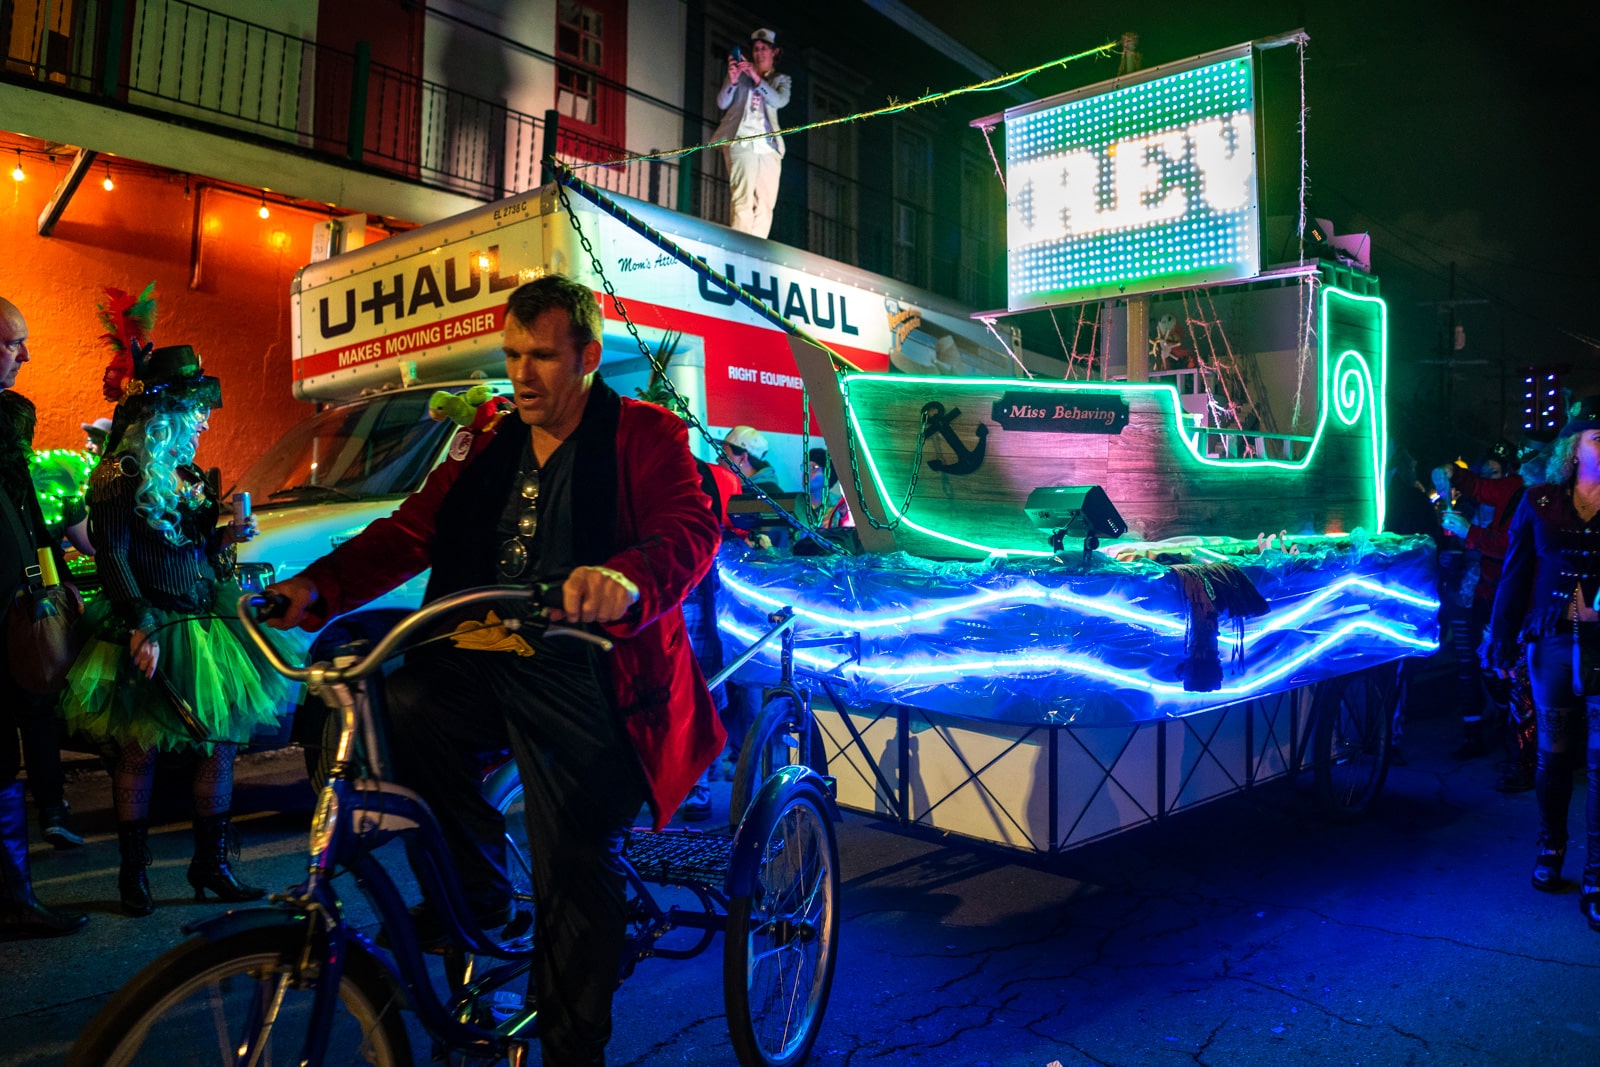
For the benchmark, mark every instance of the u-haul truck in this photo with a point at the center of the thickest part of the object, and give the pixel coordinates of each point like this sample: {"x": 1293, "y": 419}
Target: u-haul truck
{"x": 379, "y": 329}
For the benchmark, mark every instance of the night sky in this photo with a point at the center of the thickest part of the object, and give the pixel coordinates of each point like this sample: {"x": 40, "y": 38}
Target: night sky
{"x": 1452, "y": 132}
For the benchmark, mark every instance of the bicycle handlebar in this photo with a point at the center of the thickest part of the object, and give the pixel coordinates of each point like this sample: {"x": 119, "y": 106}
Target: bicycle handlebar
{"x": 255, "y": 608}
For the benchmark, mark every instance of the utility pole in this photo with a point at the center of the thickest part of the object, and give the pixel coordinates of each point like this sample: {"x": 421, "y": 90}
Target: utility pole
{"x": 1503, "y": 380}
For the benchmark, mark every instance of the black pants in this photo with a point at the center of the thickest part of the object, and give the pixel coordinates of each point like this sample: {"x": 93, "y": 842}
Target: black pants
{"x": 35, "y": 719}
{"x": 1569, "y": 737}
{"x": 582, "y": 787}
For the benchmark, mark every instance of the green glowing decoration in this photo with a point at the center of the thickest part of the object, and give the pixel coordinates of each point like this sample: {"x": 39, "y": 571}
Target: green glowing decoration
{"x": 60, "y": 479}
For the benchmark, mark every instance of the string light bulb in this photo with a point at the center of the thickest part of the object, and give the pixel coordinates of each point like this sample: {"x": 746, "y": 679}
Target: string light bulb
{"x": 108, "y": 184}
{"x": 262, "y": 210}
{"x": 16, "y": 174}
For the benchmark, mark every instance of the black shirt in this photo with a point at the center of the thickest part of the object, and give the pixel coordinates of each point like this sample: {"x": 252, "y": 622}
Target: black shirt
{"x": 550, "y": 548}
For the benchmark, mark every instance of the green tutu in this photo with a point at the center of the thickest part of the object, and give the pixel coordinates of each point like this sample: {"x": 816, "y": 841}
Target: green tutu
{"x": 209, "y": 661}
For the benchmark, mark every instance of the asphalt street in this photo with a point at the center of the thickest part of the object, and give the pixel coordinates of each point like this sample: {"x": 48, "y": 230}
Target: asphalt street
{"x": 1249, "y": 931}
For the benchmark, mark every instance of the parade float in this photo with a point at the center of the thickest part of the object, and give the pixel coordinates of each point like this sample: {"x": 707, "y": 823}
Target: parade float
{"x": 1081, "y": 594}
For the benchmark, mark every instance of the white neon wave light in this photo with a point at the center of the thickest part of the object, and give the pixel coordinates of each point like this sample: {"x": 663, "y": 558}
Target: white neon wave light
{"x": 1027, "y": 592}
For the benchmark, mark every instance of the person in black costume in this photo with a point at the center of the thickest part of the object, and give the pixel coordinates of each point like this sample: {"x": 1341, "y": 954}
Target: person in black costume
{"x": 1547, "y": 599}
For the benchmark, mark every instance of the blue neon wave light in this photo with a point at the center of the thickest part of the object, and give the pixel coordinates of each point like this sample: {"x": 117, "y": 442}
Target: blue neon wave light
{"x": 1015, "y": 642}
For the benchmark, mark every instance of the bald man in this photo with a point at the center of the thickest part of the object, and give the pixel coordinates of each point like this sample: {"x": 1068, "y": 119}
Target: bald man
{"x": 13, "y": 343}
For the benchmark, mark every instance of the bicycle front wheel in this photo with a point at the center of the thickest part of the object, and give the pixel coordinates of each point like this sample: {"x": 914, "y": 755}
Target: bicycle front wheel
{"x": 782, "y": 938}
{"x": 215, "y": 1002}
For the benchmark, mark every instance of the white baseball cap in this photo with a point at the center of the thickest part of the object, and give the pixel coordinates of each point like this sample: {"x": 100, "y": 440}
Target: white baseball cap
{"x": 749, "y": 439}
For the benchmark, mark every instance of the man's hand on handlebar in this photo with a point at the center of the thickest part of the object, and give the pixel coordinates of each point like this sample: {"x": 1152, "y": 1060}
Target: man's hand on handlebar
{"x": 595, "y": 594}
{"x": 298, "y": 594}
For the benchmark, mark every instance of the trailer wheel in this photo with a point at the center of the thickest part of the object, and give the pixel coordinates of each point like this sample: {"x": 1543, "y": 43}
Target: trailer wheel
{"x": 1351, "y": 747}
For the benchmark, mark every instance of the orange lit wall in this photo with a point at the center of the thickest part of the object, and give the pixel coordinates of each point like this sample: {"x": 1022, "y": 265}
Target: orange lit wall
{"x": 232, "y": 306}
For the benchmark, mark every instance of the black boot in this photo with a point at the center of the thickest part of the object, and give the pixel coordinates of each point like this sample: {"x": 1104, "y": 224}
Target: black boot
{"x": 21, "y": 914}
{"x": 1553, "y": 790}
{"x": 1589, "y": 901}
{"x": 133, "y": 840}
{"x": 210, "y": 869}
{"x": 1547, "y": 867}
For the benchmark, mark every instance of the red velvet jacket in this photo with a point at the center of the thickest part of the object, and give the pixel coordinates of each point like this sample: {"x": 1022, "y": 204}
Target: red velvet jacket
{"x": 669, "y": 538}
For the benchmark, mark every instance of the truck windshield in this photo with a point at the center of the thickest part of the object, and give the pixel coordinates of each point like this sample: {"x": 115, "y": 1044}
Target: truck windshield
{"x": 382, "y": 446}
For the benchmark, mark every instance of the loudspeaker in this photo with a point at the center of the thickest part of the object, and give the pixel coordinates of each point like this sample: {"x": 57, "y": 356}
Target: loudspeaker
{"x": 1079, "y": 510}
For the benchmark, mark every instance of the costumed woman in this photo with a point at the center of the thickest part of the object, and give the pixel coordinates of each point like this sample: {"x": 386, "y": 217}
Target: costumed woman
{"x": 1546, "y": 598}
{"x": 167, "y": 666}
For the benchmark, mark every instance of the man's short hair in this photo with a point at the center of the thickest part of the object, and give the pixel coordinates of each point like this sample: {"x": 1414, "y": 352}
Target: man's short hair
{"x": 556, "y": 292}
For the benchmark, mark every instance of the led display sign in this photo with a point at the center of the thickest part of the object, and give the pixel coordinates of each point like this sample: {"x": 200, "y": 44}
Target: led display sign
{"x": 1144, "y": 187}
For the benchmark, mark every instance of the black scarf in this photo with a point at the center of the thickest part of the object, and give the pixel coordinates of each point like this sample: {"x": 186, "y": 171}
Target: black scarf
{"x": 465, "y": 544}
{"x": 15, "y": 478}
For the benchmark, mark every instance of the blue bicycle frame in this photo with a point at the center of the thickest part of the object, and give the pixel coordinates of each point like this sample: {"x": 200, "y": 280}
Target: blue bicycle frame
{"x": 354, "y": 817}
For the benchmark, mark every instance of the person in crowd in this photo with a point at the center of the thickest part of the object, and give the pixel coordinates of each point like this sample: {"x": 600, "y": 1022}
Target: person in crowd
{"x": 22, "y": 535}
{"x": 750, "y": 99}
{"x": 745, "y": 454}
{"x": 746, "y": 451}
{"x": 57, "y": 479}
{"x": 40, "y": 725}
{"x": 700, "y": 619}
{"x": 167, "y": 666}
{"x": 827, "y": 497}
{"x": 1409, "y": 512}
{"x": 604, "y": 490}
{"x": 1495, "y": 488}
{"x": 95, "y": 435}
{"x": 1546, "y": 598}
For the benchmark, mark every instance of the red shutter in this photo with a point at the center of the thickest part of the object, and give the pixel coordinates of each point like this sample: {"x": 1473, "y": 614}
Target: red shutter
{"x": 393, "y": 30}
{"x": 591, "y": 68}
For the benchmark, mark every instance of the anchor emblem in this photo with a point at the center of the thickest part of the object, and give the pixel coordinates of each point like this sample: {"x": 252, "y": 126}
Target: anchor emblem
{"x": 938, "y": 422}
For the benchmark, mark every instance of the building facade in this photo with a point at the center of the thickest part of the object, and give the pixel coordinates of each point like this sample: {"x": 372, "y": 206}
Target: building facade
{"x": 228, "y": 131}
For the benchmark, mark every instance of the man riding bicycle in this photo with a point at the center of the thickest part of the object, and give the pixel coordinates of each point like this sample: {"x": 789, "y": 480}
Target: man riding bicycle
{"x": 602, "y": 487}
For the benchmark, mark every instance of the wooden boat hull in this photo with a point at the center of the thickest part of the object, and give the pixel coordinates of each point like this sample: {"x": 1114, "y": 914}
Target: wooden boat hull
{"x": 1164, "y": 474}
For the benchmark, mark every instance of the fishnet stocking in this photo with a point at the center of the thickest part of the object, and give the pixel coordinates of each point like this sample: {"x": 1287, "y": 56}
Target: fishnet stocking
{"x": 131, "y": 781}
{"x": 136, "y": 772}
{"x": 213, "y": 782}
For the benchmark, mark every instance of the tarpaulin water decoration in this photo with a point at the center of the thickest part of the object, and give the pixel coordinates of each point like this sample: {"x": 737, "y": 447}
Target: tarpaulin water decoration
{"x": 1089, "y": 640}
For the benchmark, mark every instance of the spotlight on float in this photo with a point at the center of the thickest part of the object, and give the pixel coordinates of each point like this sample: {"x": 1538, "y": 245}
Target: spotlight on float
{"x": 1078, "y": 511}
{"x": 108, "y": 184}
{"x": 16, "y": 174}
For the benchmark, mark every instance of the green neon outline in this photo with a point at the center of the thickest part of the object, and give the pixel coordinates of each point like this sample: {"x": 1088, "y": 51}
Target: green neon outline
{"x": 1379, "y": 433}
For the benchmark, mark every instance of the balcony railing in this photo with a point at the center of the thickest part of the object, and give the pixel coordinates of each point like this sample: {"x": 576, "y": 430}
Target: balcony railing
{"x": 177, "y": 60}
